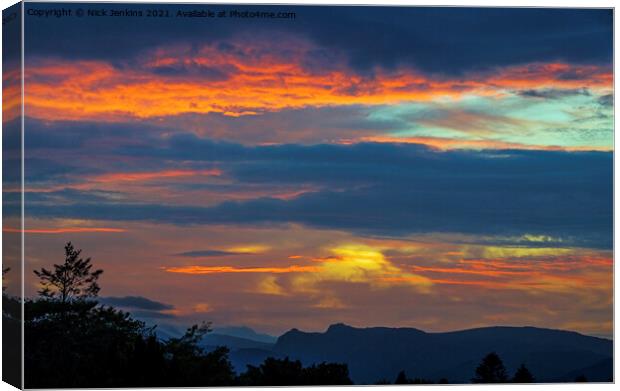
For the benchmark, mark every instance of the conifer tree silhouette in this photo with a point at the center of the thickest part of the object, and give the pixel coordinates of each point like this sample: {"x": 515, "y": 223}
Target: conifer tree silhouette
{"x": 491, "y": 370}
{"x": 71, "y": 280}
{"x": 523, "y": 375}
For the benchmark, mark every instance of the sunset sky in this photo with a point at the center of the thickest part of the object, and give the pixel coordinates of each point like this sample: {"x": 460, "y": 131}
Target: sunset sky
{"x": 438, "y": 168}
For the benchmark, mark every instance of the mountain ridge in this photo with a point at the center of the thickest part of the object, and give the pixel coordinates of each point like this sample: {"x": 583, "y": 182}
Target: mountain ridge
{"x": 377, "y": 353}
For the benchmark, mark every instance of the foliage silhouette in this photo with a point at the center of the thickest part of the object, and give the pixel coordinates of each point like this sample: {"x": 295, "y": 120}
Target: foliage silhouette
{"x": 11, "y": 336}
{"x": 402, "y": 378}
{"x": 491, "y": 370}
{"x": 523, "y": 375}
{"x": 71, "y": 280}
{"x": 11, "y": 306}
{"x": 190, "y": 366}
{"x": 285, "y": 372}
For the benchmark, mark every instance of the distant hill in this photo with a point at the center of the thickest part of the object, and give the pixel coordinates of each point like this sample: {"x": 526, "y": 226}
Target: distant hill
{"x": 601, "y": 371}
{"x": 245, "y": 332}
{"x": 218, "y": 335}
{"x": 380, "y": 353}
{"x": 213, "y": 340}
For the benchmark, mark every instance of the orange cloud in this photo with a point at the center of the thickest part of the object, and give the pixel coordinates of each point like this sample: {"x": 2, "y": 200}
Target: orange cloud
{"x": 254, "y": 78}
{"x": 202, "y": 307}
{"x": 230, "y": 269}
{"x": 62, "y": 230}
{"x": 561, "y": 274}
{"x": 352, "y": 263}
{"x": 92, "y": 182}
{"x": 269, "y": 286}
{"x": 11, "y": 94}
{"x": 147, "y": 176}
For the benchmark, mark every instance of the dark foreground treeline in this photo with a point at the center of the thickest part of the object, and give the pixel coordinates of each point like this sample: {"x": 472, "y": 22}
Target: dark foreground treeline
{"x": 73, "y": 341}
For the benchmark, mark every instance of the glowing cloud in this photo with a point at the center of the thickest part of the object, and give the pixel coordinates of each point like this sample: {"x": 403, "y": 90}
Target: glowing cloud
{"x": 358, "y": 263}
{"x": 154, "y": 175}
{"x": 351, "y": 264}
{"x": 11, "y": 94}
{"x": 258, "y": 78}
{"x": 269, "y": 286}
{"x": 535, "y": 274}
{"x": 230, "y": 269}
{"x": 249, "y": 249}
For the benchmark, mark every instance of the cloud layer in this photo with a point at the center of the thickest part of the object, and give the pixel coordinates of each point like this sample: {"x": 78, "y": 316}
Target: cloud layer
{"x": 438, "y": 168}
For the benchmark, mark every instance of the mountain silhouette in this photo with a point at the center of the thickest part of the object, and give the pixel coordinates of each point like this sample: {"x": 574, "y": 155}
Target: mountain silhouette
{"x": 213, "y": 340}
{"x": 379, "y": 353}
{"x": 245, "y": 332}
{"x": 601, "y": 371}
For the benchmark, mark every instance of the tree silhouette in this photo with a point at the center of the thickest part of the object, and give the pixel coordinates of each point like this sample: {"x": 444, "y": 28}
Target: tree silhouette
{"x": 11, "y": 306}
{"x": 189, "y": 365}
{"x": 187, "y": 345}
{"x": 491, "y": 370}
{"x": 74, "y": 342}
{"x": 71, "y": 340}
{"x": 4, "y": 272}
{"x": 401, "y": 378}
{"x": 581, "y": 379}
{"x": 11, "y": 336}
{"x": 523, "y": 375}
{"x": 71, "y": 280}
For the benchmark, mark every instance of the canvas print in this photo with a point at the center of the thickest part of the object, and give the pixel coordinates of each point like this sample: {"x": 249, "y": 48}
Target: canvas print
{"x": 205, "y": 195}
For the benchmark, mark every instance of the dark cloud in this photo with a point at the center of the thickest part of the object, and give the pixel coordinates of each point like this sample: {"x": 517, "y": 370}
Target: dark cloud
{"x": 11, "y": 41}
{"x": 553, "y": 93}
{"x": 203, "y": 72}
{"x": 606, "y": 100}
{"x": 40, "y": 134}
{"x": 391, "y": 189}
{"x": 308, "y": 125}
{"x": 136, "y": 302}
{"x": 436, "y": 40}
{"x": 305, "y": 125}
